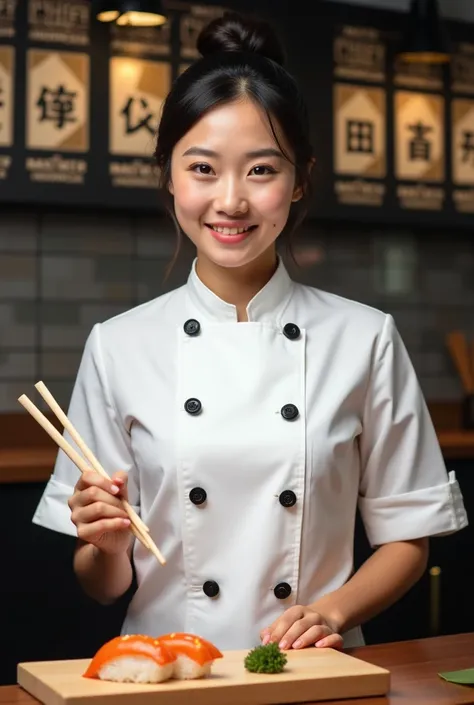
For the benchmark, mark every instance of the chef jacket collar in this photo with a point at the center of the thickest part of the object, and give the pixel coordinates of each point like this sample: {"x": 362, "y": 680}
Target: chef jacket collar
{"x": 267, "y": 305}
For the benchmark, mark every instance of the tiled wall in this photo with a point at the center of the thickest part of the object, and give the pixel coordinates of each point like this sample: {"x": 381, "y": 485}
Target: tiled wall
{"x": 59, "y": 274}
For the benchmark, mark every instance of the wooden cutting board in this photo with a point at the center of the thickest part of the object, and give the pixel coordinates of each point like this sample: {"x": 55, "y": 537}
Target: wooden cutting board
{"x": 310, "y": 675}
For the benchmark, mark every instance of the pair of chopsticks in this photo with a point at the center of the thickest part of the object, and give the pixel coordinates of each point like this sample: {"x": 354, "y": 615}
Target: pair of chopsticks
{"x": 463, "y": 360}
{"x": 137, "y": 526}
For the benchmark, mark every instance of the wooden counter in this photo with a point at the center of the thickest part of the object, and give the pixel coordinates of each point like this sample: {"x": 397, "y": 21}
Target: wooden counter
{"x": 26, "y": 464}
{"x": 457, "y": 444}
{"x": 414, "y": 666}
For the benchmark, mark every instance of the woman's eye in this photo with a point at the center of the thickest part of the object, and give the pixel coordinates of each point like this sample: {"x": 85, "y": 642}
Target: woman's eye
{"x": 202, "y": 169}
{"x": 262, "y": 170}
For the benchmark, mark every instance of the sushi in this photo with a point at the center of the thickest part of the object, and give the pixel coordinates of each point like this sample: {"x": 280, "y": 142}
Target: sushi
{"x": 194, "y": 655}
{"x": 133, "y": 658}
{"x": 136, "y": 658}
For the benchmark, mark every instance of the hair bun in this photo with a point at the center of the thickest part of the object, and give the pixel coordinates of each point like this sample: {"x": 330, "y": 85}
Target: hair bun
{"x": 233, "y": 32}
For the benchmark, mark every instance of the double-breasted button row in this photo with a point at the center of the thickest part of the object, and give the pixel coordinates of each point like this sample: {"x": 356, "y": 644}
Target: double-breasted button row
{"x": 289, "y": 412}
{"x": 282, "y": 591}
{"x": 198, "y": 496}
{"x": 192, "y": 327}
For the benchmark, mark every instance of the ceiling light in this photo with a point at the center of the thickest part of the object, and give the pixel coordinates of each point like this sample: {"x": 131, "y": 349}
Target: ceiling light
{"x": 425, "y": 40}
{"x": 132, "y": 13}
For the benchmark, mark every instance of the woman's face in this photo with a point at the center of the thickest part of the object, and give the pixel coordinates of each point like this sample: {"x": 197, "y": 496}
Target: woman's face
{"x": 232, "y": 186}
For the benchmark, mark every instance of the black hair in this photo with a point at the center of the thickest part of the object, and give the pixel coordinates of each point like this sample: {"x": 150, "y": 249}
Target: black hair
{"x": 240, "y": 57}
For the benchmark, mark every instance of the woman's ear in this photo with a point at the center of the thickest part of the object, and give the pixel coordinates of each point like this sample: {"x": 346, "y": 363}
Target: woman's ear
{"x": 297, "y": 194}
{"x": 299, "y": 191}
{"x": 170, "y": 187}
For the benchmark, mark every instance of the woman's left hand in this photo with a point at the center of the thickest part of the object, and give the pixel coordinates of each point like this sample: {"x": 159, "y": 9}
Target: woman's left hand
{"x": 299, "y": 627}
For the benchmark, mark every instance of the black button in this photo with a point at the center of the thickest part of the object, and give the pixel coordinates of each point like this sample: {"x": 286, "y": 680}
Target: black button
{"x": 289, "y": 412}
{"x": 288, "y": 498}
{"x": 198, "y": 495}
{"x": 282, "y": 591}
{"x": 211, "y": 588}
{"x": 193, "y": 406}
{"x": 292, "y": 331}
{"x": 192, "y": 327}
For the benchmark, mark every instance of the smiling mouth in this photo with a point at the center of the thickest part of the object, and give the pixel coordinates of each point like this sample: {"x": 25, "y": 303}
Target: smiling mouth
{"x": 231, "y": 231}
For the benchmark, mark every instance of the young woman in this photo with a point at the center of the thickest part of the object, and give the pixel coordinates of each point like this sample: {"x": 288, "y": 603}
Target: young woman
{"x": 246, "y": 416}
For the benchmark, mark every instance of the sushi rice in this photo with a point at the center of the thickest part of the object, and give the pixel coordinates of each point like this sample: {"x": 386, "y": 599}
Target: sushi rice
{"x": 185, "y": 668}
{"x": 135, "y": 669}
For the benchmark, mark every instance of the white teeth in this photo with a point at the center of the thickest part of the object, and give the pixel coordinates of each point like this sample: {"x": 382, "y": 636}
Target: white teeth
{"x": 230, "y": 231}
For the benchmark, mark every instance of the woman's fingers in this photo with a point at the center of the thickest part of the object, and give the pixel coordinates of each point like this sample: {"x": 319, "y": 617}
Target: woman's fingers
{"x": 96, "y": 511}
{"x": 91, "y": 533}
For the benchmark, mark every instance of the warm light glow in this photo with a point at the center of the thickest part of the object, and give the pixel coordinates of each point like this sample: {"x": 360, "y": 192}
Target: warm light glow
{"x": 141, "y": 19}
{"x": 108, "y": 16}
{"x": 425, "y": 58}
{"x": 128, "y": 70}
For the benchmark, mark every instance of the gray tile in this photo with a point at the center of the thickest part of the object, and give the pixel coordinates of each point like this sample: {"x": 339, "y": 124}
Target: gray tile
{"x": 113, "y": 269}
{"x": 433, "y": 339}
{"x": 26, "y": 312}
{"x": 17, "y": 364}
{"x": 441, "y": 388}
{"x": 64, "y": 337}
{"x": 9, "y": 393}
{"x": 437, "y": 253}
{"x": 90, "y": 314}
{"x": 430, "y": 363}
{"x": 352, "y": 283}
{"x": 76, "y": 278}
{"x": 18, "y": 276}
{"x": 450, "y": 318}
{"x": 14, "y": 333}
{"x": 68, "y": 278}
{"x": 150, "y": 275}
{"x": 155, "y": 237}
{"x": 86, "y": 234}
{"x": 59, "y": 313}
{"x": 463, "y": 256}
{"x": 60, "y": 364}
{"x": 442, "y": 286}
{"x": 347, "y": 248}
{"x": 18, "y": 232}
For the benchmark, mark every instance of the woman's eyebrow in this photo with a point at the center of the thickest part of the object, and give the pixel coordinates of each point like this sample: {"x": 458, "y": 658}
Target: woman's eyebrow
{"x": 255, "y": 154}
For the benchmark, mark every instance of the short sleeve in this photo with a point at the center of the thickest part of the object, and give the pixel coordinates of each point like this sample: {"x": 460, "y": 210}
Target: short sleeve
{"x": 405, "y": 491}
{"x": 92, "y": 413}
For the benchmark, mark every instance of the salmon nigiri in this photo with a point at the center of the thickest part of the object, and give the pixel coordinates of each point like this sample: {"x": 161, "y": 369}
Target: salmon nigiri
{"x": 194, "y": 655}
{"x": 133, "y": 658}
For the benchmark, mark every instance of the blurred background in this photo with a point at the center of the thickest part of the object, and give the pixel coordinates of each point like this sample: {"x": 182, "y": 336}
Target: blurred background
{"x": 84, "y": 236}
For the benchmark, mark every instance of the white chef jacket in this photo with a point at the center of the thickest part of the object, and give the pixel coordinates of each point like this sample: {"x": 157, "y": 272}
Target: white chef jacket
{"x": 282, "y": 429}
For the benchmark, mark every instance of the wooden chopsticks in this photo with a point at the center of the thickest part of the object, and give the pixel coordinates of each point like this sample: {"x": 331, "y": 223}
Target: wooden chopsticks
{"x": 137, "y": 526}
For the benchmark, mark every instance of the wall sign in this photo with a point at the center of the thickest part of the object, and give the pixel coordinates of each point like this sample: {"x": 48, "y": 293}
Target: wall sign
{"x": 8, "y": 10}
{"x": 137, "y": 91}
{"x": 59, "y": 22}
{"x": 360, "y": 144}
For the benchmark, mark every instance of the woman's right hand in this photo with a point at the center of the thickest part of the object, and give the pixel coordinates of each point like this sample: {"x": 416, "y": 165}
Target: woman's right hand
{"x": 97, "y": 512}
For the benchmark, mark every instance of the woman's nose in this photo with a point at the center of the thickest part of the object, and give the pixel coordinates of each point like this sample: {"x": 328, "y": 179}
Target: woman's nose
{"x": 231, "y": 198}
